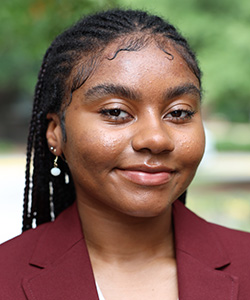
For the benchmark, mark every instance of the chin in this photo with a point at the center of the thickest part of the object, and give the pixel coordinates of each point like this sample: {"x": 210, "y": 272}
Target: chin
{"x": 148, "y": 211}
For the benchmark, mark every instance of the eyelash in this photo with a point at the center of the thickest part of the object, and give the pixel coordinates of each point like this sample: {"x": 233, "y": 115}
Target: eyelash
{"x": 107, "y": 112}
{"x": 189, "y": 114}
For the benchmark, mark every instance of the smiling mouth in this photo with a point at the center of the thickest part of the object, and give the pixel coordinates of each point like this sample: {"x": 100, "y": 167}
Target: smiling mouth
{"x": 146, "y": 178}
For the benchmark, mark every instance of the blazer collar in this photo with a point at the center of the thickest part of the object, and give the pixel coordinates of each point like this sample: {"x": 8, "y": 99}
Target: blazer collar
{"x": 197, "y": 238}
{"x": 62, "y": 254}
{"x": 59, "y": 237}
{"x": 201, "y": 261}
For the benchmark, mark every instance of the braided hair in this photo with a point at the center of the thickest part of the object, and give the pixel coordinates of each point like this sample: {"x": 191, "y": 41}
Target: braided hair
{"x": 66, "y": 65}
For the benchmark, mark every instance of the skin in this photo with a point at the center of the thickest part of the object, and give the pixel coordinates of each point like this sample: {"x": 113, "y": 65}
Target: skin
{"x": 131, "y": 156}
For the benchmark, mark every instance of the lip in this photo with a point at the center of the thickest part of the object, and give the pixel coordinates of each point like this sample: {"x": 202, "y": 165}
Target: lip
{"x": 147, "y": 176}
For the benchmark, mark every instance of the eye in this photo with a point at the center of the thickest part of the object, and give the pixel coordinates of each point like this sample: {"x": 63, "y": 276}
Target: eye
{"x": 115, "y": 114}
{"x": 180, "y": 115}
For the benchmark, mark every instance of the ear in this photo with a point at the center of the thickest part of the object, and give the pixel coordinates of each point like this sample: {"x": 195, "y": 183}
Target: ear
{"x": 54, "y": 133}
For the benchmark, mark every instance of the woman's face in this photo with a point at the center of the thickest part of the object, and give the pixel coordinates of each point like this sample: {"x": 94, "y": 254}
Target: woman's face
{"x": 134, "y": 132}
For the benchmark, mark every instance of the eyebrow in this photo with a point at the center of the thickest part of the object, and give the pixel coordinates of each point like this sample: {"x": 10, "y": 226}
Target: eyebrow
{"x": 103, "y": 90}
{"x": 186, "y": 89}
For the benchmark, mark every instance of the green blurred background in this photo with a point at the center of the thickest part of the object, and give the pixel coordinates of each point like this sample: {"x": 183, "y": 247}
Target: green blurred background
{"x": 219, "y": 32}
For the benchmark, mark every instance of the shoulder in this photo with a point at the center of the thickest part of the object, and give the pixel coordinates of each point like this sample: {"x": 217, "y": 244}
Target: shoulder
{"x": 19, "y": 249}
{"x": 36, "y": 250}
{"x": 236, "y": 241}
{"x": 209, "y": 239}
{"x": 237, "y": 245}
{"x": 22, "y": 244}
{"x": 191, "y": 225}
{"x": 15, "y": 255}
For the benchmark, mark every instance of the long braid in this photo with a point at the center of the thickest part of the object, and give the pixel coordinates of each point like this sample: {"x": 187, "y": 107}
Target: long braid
{"x": 27, "y": 217}
{"x": 67, "y": 64}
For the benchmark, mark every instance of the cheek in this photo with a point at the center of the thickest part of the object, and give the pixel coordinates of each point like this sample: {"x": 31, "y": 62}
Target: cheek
{"x": 191, "y": 148}
{"x": 95, "y": 148}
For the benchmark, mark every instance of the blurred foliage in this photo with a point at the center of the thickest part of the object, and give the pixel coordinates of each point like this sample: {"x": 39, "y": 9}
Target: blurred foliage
{"x": 221, "y": 205}
{"x": 232, "y": 146}
{"x": 229, "y": 136}
{"x": 6, "y": 147}
{"x": 217, "y": 30}
{"x": 27, "y": 29}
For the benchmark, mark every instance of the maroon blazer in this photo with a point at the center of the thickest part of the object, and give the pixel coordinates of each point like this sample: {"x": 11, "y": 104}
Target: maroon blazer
{"x": 52, "y": 262}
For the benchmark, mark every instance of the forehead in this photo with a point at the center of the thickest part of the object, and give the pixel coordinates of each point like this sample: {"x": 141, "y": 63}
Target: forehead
{"x": 120, "y": 65}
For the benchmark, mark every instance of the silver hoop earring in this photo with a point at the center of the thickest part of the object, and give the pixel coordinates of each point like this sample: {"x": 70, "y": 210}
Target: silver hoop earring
{"x": 55, "y": 171}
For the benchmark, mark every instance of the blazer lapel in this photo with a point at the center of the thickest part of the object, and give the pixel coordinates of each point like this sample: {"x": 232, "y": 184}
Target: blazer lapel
{"x": 201, "y": 259}
{"x": 66, "y": 271}
{"x": 197, "y": 281}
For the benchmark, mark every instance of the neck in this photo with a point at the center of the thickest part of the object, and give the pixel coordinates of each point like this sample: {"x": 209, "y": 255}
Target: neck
{"x": 118, "y": 238}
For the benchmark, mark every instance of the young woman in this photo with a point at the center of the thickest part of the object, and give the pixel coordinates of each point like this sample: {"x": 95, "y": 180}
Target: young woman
{"x": 115, "y": 139}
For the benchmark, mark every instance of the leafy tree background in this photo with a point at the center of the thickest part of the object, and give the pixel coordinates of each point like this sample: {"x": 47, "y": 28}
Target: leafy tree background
{"x": 219, "y": 31}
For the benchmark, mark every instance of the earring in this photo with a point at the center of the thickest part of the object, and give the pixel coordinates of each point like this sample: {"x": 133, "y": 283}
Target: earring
{"x": 53, "y": 149}
{"x": 55, "y": 171}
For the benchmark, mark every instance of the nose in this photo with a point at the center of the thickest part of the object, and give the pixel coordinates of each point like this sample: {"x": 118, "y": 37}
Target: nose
{"x": 153, "y": 135}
